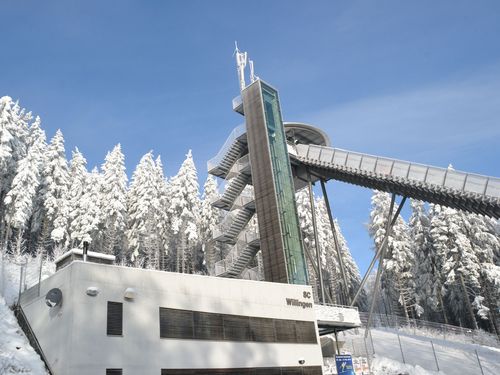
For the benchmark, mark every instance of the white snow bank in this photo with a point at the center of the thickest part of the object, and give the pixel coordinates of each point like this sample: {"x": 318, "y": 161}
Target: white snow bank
{"x": 386, "y": 366}
{"x": 16, "y": 354}
{"x": 452, "y": 357}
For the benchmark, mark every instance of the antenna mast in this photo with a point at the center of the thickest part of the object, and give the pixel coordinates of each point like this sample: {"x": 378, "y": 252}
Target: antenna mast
{"x": 253, "y": 77}
{"x": 241, "y": 63}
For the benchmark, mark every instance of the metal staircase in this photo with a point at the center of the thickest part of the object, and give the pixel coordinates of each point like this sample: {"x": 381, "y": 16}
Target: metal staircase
{"x": 234, "y": 147}
{"x": 229, "y": 230}
{"x": 232, "y": 163}
{"x": 239, "y": 257}
{"x": 233, "y": 189}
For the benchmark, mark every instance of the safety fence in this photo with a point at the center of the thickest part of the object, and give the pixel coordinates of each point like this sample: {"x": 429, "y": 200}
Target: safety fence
{"x": 431, "y": 329}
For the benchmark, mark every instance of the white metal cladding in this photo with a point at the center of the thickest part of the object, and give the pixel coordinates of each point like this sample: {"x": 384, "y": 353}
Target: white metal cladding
{"x": 467, "y": 191}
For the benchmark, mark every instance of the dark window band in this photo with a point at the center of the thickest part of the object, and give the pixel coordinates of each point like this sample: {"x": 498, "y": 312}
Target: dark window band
{"x": 187, "y": 324}
{"x": 303, "y": 370}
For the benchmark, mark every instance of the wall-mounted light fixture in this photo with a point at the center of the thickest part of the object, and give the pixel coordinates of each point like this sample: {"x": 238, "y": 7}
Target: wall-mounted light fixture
{"x": 130, "y": 293}
{"x": 92, "y": 291}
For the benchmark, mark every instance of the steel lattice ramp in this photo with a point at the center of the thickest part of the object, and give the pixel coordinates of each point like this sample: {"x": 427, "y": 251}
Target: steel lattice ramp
{"x": 447, "y": 187}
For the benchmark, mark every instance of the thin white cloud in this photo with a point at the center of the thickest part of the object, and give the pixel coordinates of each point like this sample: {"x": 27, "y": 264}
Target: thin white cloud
{"x": 440, "y": 119}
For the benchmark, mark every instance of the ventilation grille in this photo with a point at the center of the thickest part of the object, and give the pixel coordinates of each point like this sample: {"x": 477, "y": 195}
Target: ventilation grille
{"x": 115, "y": 319}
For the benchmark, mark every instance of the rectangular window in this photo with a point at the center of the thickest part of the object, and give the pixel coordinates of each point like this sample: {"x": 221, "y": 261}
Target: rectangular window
{"x": 114, "y": 371}
{"x": 115, "y": 319}
{"x": 176, "y": 323}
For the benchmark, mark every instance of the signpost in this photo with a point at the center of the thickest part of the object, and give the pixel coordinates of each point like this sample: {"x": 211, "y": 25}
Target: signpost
{"x": 344, "y": 364}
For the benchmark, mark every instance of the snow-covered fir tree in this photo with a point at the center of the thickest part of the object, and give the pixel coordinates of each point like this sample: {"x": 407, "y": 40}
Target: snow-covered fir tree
{"x": 210, "y": 216}
{"x": 460, "y": 265}
{"x": 21, "y": 197}
{"x": 12, "y": 149}
{"x": 73, "y": 202}
{"x": 398, "y": 264}
{"x": 113, "y": 203}
{"x": 85, "y": 224}
{"x": 162, "y": 217}
{"x": 54, "y": 185}
{"x": 426, "y": 271}
{"x": 142, "y": 200}
{"x": 480, "y": 231}
{"x": 184, "y": 213}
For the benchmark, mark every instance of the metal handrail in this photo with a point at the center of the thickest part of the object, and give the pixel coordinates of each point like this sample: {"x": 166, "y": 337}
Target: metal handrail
{"x": 235, "y": 134}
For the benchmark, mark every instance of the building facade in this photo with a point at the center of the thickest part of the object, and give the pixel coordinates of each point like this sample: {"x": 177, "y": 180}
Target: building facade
{"x": 119, "y": 320}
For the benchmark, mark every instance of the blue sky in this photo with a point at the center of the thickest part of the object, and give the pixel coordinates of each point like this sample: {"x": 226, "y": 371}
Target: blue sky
{"x": 418, "y": 80}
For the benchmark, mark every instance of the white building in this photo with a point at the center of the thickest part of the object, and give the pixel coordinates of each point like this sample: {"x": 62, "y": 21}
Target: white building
{"x": 115, "y": 320}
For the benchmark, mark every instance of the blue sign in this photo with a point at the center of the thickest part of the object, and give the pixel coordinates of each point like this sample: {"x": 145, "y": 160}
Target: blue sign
{"x": 344, "y": 365}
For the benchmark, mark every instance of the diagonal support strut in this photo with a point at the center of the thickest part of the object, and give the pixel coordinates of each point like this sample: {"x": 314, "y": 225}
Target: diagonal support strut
{"x": 344, "y": 287}
{"x": 377, "y": 255}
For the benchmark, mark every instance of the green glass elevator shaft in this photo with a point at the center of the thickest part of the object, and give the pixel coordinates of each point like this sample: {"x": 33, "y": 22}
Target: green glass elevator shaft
{"x": 281, "y": 244}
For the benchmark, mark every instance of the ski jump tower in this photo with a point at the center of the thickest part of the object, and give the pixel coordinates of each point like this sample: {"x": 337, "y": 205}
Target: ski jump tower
{"x": 266, "y": 160}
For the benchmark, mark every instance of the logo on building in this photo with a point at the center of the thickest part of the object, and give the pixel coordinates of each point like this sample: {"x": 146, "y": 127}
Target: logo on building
{"x": 296, "y": 302}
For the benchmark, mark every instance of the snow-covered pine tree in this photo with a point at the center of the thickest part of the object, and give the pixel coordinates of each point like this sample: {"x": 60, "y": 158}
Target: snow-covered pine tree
{"x": 36, "y": 135}
{"x": 427, "y": 281}
{"x": 12, "y": 149}
{"x": 85, "y": 223}
{"x": 142, "y": 200}
{"x": 113, "y": 199}
{"x": 485, "y": 243}
{"x": 184, "y": 212}
{"x": 397, "y": 279}
{"x": 54, "y": 188}
{"x": 73, "y": 202}
{"x": 21, "y": 197}
{"x": 162, "y": 216}
{"x": 460, "y": 268}
{"x": 210, "y": 217}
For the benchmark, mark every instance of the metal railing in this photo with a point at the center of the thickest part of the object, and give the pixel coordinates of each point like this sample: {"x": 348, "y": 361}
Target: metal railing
{"x": 244, "y": 240}
{"x": 235, "y": 134}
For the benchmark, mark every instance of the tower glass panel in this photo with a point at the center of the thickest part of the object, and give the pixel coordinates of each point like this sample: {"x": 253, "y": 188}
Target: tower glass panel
{"x": 285, "y": 192}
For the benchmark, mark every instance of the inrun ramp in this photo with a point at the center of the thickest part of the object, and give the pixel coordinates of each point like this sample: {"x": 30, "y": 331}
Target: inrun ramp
{"x": 443, "y": 186}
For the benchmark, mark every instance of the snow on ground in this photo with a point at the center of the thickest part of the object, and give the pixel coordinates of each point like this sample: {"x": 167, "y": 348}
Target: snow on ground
{"x": 386, "y": 366}
{"x": 16, "y": 354}
{"x": 452, "y": 357}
